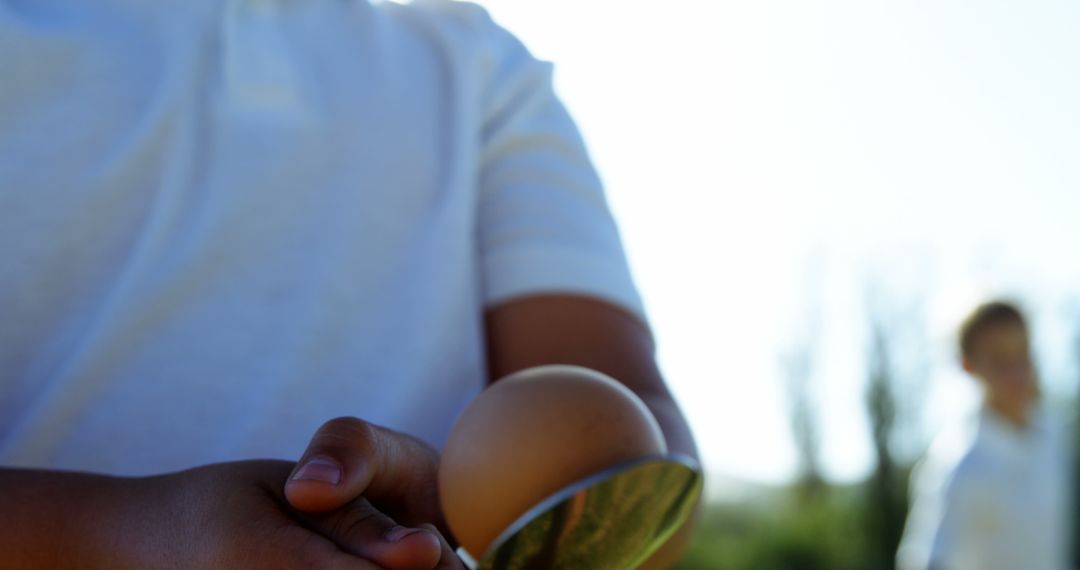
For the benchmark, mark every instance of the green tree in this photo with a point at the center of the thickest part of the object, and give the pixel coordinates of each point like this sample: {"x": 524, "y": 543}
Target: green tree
{"x": 896, "y": 369}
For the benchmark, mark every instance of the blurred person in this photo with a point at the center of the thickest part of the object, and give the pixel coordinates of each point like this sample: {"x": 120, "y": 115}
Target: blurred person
{"x": 225, "y": 222}
{"x": 995, "y": 495}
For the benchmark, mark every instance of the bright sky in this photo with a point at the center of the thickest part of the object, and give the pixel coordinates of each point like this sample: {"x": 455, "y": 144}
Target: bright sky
{"x": 751, "y": 147}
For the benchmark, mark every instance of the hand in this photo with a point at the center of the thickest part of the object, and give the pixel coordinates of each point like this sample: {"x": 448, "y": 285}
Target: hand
{"x": 234, "y": 515}
{"x": 393, "y": 475}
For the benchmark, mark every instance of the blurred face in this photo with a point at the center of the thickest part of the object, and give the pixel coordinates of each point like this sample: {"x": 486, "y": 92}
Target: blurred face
{"x": 1001, "y": 359}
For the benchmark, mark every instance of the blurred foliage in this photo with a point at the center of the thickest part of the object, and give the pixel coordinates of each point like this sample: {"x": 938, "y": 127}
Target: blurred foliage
{"x": 785, "y": 530}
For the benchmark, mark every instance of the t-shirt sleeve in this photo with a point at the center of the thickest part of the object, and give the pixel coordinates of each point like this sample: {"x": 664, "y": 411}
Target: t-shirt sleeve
{"x": 544, "y": 225}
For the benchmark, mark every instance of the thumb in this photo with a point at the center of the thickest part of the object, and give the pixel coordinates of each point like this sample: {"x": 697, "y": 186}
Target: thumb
{"x": 348, "y": 457}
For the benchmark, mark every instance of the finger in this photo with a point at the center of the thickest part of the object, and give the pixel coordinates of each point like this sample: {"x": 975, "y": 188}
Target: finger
{"x": 448, "y": 559}
{"x": 362, "y": 530}
{"x": 348, "y": 457}
{"x": 321, "y": 553}
{"x": 281, "y": 542}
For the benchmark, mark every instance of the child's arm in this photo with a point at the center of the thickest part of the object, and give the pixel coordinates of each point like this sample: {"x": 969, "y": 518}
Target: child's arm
{"x": 47, "y": 520}
{"x": 565, "y": 329}
{"x": 942, "y": 519}
{"x": 228, "y": 515}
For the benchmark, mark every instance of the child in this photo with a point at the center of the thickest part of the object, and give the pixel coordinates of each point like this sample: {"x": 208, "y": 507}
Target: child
{"x": 225, "y": 222}
{"x": 995, "y": 498}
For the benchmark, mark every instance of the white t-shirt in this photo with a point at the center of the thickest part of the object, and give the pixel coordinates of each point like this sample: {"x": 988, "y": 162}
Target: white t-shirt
{"x": 223, "y": 222}
{"x": 993, "y": 498}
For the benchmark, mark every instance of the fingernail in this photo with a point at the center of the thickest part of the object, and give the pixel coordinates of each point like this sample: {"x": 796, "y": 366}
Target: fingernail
{"x": 399, "y": 532}
{"x": 321, "y": 469}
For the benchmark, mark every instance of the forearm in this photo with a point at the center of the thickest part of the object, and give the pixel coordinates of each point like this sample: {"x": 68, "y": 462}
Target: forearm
{"x": 58, "y": 519}
{"x": 676, "y": 430}
{"x": 566, "y": 329}
{"x": 42, "y": 520}
{"x": 680, "y": 440}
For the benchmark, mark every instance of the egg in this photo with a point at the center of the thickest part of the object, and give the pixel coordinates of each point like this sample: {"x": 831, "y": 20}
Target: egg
{"x": 531, "y": 434}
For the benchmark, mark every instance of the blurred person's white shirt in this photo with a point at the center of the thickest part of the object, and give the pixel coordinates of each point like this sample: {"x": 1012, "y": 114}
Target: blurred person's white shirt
{"x": 224, "y": 222}
{"x": 991, "y": 497}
